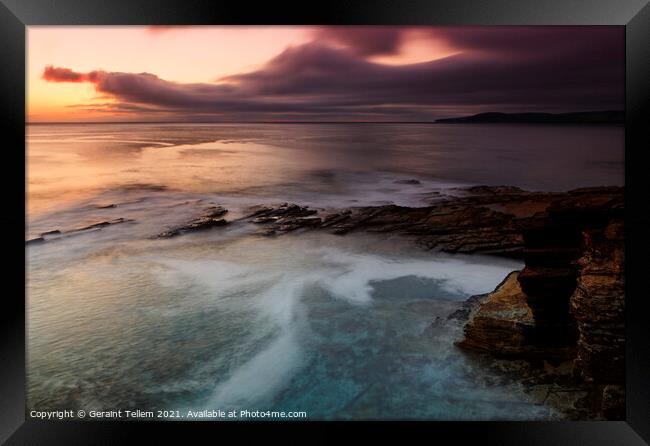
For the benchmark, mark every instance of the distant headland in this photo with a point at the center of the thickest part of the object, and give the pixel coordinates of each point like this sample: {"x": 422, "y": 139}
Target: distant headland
{"x": 592, "y": 117}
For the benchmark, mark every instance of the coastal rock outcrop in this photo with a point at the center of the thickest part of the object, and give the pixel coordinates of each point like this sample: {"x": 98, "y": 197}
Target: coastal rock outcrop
{"x": 553, "y": 244}
{"x": 478, "y": 220}
{"x": 283, "y": 218}
{"x": 501, "y": 322}
{"x": 211, "y": 217}
{"x": 598, "y": 306}
{"x": 58, "y": 234}
{"x": 481, "y": 219}
{"x": 570, "y": 299}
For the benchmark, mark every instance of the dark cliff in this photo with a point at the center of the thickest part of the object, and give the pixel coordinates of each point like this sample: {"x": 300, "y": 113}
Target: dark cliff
{"x": 573, "y": 287}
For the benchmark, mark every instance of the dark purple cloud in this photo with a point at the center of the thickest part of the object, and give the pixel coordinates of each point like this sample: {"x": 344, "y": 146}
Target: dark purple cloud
{"x": 523, "y": 40}
{"x": 493, "y": 40}
{"x": 55, "y": 74}
{"x": 499, "y": 69}
{"x": 364, "y": 40}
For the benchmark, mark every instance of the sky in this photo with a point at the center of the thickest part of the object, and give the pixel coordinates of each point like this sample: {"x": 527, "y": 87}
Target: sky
{"x": 315, "y": 73}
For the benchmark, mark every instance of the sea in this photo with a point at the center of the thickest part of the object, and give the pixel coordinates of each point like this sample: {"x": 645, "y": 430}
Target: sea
{"x": 334, "y": 327}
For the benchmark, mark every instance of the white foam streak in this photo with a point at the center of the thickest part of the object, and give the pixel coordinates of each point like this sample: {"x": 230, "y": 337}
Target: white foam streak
{"x": 353, "y": 274}
{"x": 260, "y": 377}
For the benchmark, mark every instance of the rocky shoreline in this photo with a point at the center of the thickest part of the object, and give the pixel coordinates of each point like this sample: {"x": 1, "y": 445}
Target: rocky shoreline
{"x": 556, "y": 327}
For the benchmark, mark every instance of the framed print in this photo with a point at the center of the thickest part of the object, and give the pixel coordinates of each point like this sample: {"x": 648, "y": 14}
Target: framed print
{"x": 365, "y": 216}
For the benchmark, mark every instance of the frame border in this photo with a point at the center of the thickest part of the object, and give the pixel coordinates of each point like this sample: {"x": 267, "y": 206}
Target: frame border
{"x": 15, "y": 15}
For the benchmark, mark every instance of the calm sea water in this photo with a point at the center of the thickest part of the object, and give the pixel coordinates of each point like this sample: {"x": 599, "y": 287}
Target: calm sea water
{"x": 338, "y": 327}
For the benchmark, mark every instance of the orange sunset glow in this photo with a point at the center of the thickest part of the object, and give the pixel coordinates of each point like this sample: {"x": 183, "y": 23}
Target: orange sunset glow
{"x": 275, "y": 73}
{"x": 174, "y": 54}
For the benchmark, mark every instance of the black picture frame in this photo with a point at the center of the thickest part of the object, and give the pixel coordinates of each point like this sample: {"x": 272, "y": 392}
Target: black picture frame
{"x": 15, "y": 15}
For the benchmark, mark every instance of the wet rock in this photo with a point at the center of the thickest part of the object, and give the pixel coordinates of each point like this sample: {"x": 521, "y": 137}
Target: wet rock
{"x": 547, "y": 292}
{"x": 283, "y": 218}
{"x": 282, "y": 211}
{"x": 336, "y": 219}
{"x": 573, "y": 289}
{"x": 292, "y": 224}
{"x": 451, "y": 226}
{"x": 410, "y": 181}
{"x": 57, "y": 234}
{"x": 265, "y": 219}
{"x": 494, "y": 190}
{"x": 502, "y": 322}
{"x": 482, "y": 219}
{"x": 555, "y": 272}
{"x": 53, "y": 232}
{"x": 463, "y": 313}
{"x": 102, "y": 224}
{"x": 144, "y": 187}
{"x": 598, "y": 305}
{"x": 211, "y": 217}
{"x": 613, "y": 402}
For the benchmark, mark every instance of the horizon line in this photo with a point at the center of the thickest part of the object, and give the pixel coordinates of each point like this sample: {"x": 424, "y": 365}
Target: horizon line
{"x": 434, "y": 121}
{"x": 230, "y": 122}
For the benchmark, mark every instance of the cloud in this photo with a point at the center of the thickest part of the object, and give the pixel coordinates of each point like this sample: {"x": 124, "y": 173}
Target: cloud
{"x": 56, "y": 74}
{"x": 533, "y": 40}
{"x": 519, "y": 69}
{"x": 388, "y": 40}
{"x": 364, "y": 40}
